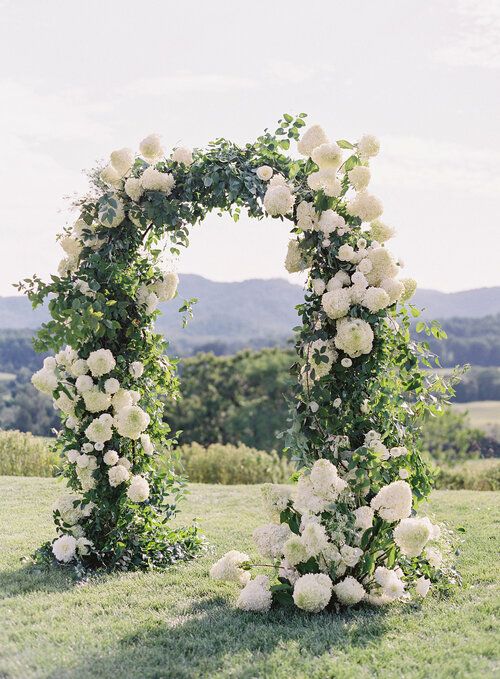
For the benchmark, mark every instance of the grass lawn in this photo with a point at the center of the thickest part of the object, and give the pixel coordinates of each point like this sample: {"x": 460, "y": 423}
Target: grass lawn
{"x": 180, "y": 624}
{"x": 482, "y": 414}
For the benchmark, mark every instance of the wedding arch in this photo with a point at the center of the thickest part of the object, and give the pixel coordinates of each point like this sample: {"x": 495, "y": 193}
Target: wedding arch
{"x": 346, "y": 531}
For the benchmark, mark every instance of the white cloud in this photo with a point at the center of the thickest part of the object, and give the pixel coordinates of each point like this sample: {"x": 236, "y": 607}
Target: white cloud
{"x": 296, "y": 73}
{"x": 188, "y": 81}
{"x": 477, "y": 40}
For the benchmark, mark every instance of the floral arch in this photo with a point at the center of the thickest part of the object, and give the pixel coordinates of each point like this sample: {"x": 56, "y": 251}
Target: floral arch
{"x": 347, "y": 529}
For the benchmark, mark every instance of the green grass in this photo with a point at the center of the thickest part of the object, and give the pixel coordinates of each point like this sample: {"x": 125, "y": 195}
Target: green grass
{"x": 482, "y": 414}
{"x": 179, "y": 624}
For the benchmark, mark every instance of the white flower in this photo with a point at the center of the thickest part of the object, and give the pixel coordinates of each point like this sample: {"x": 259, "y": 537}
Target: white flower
{"x": 110, "y": 177}
{"x": 184, "y": 155}
{"x": 45, "y": 381}
{"x": 87, "y": 448}
{"x": 146, "y": 298}
{"x": 69, "y": 509}
{"x": 411, "y": 536}
{"x": 422, "y": 586}
{"x": 84, "y": 383}
{"x": 101, "y": 362}
{"x": 111, "y": 385}
{"x": 327, "y": 156}
{"x": 314, "y": 538}
{"x": 72, "y": 455}
{"x": 368, "y": 146}
{"x": 276, "y": 499}
{"x": 318, "y": 286}
{"x": 136, "y": 369}
{"x": 96, "y": 401}
{"x": 166, "y": 287}
{"x": 337, "y": 402}
{"x": 122, "y": 161}
{"x": 83, "y": 546}
{"x": 110, "y": 457}
{"x": 331, "y": 221}
{"x": 314, "y": 136}
{"x": 365, "y": 206}
{"x": 138, "y": 491}
{"x": 375, "y": 299}
{"x": 229, "y": 568}
{"x": 66, "y": 404}
{"x": 381, "y": 232}
{"x": 359, "y": 177}
{"x": 307, "y": 218}
{"x": 123, "y": 462}
{"x": 354, "y": 336}
{"x": 150, "y": 147}
{"x": 71, "y": 246}
{"x": 364, "y": 266}
{"x": 64, "y": 548}
{"x": 312, "y": 592}
{"x": 295, "y": 260}
{"x": 325, "y": 479}
{"x": 146, "y": 444}
{"x": 325, "y": 180}
{"x": 340, "y": 279}
{"x": 264, "y": 173}
{"x": 383, "y": 266}
{"x": 295, "y": 551}
{"x": 79, "y": 367}
{"x": 99, "y": 430}
{"x": 350, "y": 555}
{"x": 393, "y": 502}
{"x": 117, "y": 475}
{"x": 393, "y": 288}
{"x": 270, "y": 539}
{"x": 321, "y": 355}
{"x": 433, "y": 556}
{"x": 305, "y": 499}
{"x": 364, "y": 517}
{"x": 349, "y": 591}
{"x": 112, "y": 215}
{"x": 121, "y": 399}
{"x": 346, "y": 253}
{"x": 410, "y": 285}
{"x": 131, "y": 421}
{"x": 392, "y": 585}
{"x": 278, "y": 200}
{"x": 336, "y": 303}
{"x": 154, "y": 180}
{"x": 403, "y": 473}
{"x": 346, "y": 362}
{"x": 134, "y": 189}
{"x": 256, "y": 595}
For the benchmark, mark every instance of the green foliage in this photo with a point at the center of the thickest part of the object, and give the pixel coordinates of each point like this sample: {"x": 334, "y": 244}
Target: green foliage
{"x": 469, "y": 475}
{"x": 228, "y": 464}
{"x": 450, "y": 438}
{"x": 26, "y": 455}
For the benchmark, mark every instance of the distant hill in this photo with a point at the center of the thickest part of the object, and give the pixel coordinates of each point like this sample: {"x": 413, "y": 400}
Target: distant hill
{"x": 254, "y": 312}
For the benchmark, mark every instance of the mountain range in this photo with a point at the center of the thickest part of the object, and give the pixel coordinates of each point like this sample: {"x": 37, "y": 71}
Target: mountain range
{"x": 254, "y": 312}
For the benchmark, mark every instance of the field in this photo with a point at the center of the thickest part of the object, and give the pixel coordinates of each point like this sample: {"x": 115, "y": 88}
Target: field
{"x": 482, "y": 414}
{"x": 179, "y": 624}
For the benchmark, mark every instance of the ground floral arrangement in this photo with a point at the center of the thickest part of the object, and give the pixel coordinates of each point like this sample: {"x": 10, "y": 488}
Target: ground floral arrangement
{"x": 347, "y": 530}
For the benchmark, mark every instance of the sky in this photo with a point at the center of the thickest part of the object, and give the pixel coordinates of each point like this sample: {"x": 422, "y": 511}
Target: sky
{"x": 80, "y": 79}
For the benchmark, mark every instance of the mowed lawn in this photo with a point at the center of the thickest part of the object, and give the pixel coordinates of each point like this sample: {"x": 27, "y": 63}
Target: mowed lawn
{"x": 482, "y": 414}
{"x": 180, "y": 624}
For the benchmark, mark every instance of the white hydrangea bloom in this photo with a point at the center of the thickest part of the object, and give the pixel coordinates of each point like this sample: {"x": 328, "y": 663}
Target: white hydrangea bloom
{"x": 392, "y": 585}
{"x": 278, "y": 200}
{"x": 84, "y": 383}
{"x": 183, "y": 155}
{"x": 122, "y": 161}
{"x": 375, "y": 299}
{"x": 96, "y": 401}
{"x": 317, "y": 352}
{"x": 325, "y": 180}
{"x": 325, "y": 479}
{"x": 71, "y": 246}
{"x": 138, "y": 490}
{"x": 100, "y": 429}
{"x": 136, "y": 369}
{"x": 264, "y": 173}
{"x": 330, "y": 221}
{"x": 154, "y": 180}
{"x": 340, "y": 279}
{"x": 45, "y": 381}
{"x": 312, "y": 592}
{"x": 349, "y": 591}
{"x": 276, "y": 498}
{"x": 381, "y": 232}
{"x": 114, "y": 218}
{"x": 318, "y": 286}
{"x": 101, "y": 362}
{"x": 346, "y": 253}
{"x": 364, "y": 517}
{"x": 295, "y": 551}
{"x": 256, "y": 595}
{"x": 118, "y": 475}
{"x": 393, "y": 502}
{"x": 110, "y": 177}
{"x": 166, "y": 287}
{"x": 72, "y": 455}
{"x": 121, "y": 399}
{"x": 66, "y": 404}
{"x": 359, "y": 177}
{"x": 229, "y": 568}
{"x": 110, "y": 457}
{"x": 64, "y": 548}
{"x": 134, "y": 189}
{"x": 411, "y": 535}
{"x": 314, "y": 538}
{"x": 368, "y": 146}
{"x": 270, "y": 539}
{"x": 147, "y": 299}
{"x": 354, "y": 337}
{"x": 111, "y": 385}
{"x": 336, "y": 303}
{"x": 69, "y": 508}
{"x": 307, "y": 217}
{"x": 393, "y": 288}
{"x": 131, "y": 421}
{"x": 79, "y": 367}
{"x": 86, "y": 479}
{"x": 327, "y": 156}
{"x": 313, "y": 137}
{"x": 365, "y": 206}
{"x": 295, "y": 260}
{"x": 422, "y": 586}
{"x": 83, "y": 546}
{"x": 151, "y": 148}
{"x": 384, "y": 266}
{"x": 433, "y": 556}
{"x": 350, "y": 555}
{"x": 410, "y": 285}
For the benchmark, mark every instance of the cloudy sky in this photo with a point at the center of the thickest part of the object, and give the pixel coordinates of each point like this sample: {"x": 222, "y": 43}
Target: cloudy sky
{"x": 79, "y": 79}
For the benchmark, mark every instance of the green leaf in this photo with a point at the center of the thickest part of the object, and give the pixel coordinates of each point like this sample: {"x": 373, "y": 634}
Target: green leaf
{"x": 345, "y": 144}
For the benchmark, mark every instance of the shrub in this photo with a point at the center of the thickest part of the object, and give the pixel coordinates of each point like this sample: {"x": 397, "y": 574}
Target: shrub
{"x": 26, "y": 455}
{"x": 470, "y": 475}
{"x": 228, "y": 464}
